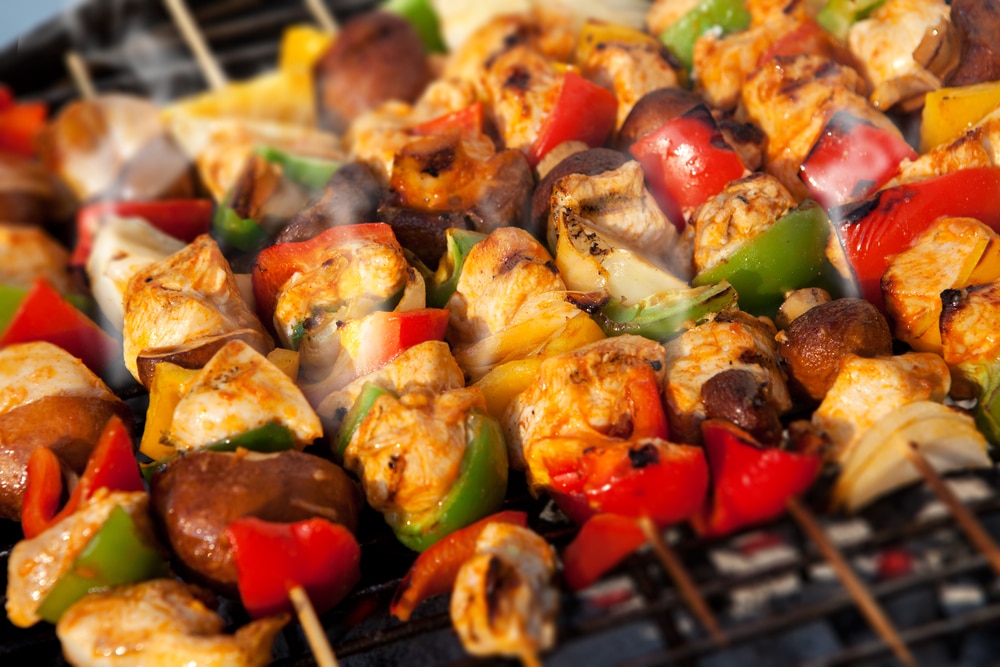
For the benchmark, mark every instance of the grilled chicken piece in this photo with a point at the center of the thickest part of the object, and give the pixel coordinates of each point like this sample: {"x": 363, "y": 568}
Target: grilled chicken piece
{"x": 429, "y": 365}
{"x": 731, "y": 219}
{"x": 35, "y": 565}
{"x": 905, "y": 48}
{"x": 630, "y": 70}
{"x": 239, "y": 390}
{"x": 979, "y": 147}
{"x": 160, "y": 623}
{"x": 618, "y": 203}
{"x": 733, "y": 340}
{"x": 664, "y": 13}
{"x": 27, "y": 253}
{"x": 184, "y": 302}
{"x": 522, "y": 86}
{"x": 968, "y": 331}
{"x": 504, "y": 601}
{"x": 375, "y": 137}
{"x": 408, "y": 450}
{"x": 48, "y": 398}
{"x": 29, "y": 194}
{"x": 354, "y": 278}
{"x": 869, "y": 389}
{"x": 575, "y": 402}
{"x": 944, "y": 257}
{"x": 794, "y": 100}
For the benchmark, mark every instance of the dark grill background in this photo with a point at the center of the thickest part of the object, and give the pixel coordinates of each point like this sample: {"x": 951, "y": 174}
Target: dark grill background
{"x": 777, "y": 600}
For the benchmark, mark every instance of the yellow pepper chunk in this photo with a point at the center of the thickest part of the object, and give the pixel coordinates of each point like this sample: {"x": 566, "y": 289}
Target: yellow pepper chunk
{"x": 170, "y": 383}
{"x": 596, "y": 32}
{"x": 301, "y": 47}
{"x": 506, "y": 381}
{"x": 950, "y": 112}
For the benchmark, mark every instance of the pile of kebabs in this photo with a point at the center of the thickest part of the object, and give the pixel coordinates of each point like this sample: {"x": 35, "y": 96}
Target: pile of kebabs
{"x": 672, "y": 273}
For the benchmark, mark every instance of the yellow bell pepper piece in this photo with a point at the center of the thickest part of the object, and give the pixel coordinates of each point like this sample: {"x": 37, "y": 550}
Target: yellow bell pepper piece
{"x": 506, "y": 381}
{"x": 301, "y": 47}
{"x": 950, "y": 112}
{"x": 170, "y": 383}
{"x": 596, "y": 32}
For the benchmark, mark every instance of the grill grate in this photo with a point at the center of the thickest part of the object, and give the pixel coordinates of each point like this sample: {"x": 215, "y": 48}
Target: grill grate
{"x": 776, "y": 598}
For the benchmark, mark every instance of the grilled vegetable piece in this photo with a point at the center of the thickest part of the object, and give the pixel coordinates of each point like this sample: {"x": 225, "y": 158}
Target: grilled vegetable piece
{"x": 377, "y": 57}
{"x": 603, "y": 542}
{"x": 48, "y": 398}
{"x": 977, "y": 21}
{"x": 158, "y": 623}
{"x": 948, "y": 113}
{"x": 350, "y": 197}
{"x": 284, "y": 487}
{"x": 814, "y": 344}
{"x": 504, "y": 602}
{"x": 434, "y": 571}
{"x": 322, "y": 558}
{"x": 723, "y": 16}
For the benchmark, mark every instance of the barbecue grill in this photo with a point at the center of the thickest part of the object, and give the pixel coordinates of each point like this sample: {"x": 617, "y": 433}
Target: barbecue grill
{"x": 775, "y": 594}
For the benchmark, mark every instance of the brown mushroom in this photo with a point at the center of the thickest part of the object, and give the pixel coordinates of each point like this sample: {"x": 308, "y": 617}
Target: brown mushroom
{"x": 812, "y": 346}
{"x": 589, "y": 163}
{"x": 350, "y": 197}
{"x": 737, "y": 396}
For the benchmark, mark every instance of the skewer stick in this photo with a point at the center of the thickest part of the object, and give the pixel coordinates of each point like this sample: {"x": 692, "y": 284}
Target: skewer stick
{"x": 321, "y": 14}
{"x": 966, "y": 520}
{"x": 81, "y": 75}
{"x": 855, "y": 587}
{"x": 196, "y": 42}
{"x": 685, "y": 585}
{"x": 313, "y": 629}
{"x": 530, "y": 659}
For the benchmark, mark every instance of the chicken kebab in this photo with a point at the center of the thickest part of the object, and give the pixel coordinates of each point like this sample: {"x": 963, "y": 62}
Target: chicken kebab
{"x": 671, "y": 273}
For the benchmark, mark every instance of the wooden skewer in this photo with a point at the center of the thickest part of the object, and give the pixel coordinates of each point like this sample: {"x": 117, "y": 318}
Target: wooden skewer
{"x": 196, "y": 42}
{"x": 313, "y": 629}
{"x": 530, "y": 659}
{"x": 81, "y": 75}
{"x": 321, "y": 14}
{"x": 966, "y": 520}
{"x": 855, "y": 587}
{"x": 685, "y": 585}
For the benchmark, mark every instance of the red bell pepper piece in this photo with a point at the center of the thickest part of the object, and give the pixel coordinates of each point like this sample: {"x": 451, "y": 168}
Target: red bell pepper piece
{"x": 872, "y": 231}
{"x": 272, "y": 558}
{"x": 584, "y": 111}
{"x": 434, "y": 571}
{"x": 603, "y": 542}
{"x": 277, "y": 263}
{"x": 112, "y": 465}
{"x": 385, "y": 335}
{"x": 468, "y": 121}
{"x": 44, "y": 315}
{"x": 6, "y": 97}
{"x": 686, "y": 161}
{"x": 851, "y": 159}
{"x": 751, "y": 484}
{"x": 20, "y": 125}
{"x": 184, "y": 219}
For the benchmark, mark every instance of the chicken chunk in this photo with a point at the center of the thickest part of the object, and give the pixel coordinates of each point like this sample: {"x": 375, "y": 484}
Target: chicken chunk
{"x": 28, "y": 253}
{"x": 522, "y": 86}
{"x": 504, "y": 601}
{"x": 188, "y": 298}
{"x": 868, "y": 389}
{"x": 159, "y": 623}
{"x": 733, "y": 340}
{"x": 35, "y": 565}
{"x": 239, "y": 390}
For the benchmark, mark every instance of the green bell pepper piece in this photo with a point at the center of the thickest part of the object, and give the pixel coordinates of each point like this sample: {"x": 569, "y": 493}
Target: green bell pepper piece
{"x": 352, "y": 420}
{"x": 239, "y": 232}
{"x": 727, "y": 15}
{"x": 789, "y": 255}
{"x": 309, "y": 172}
{"x": 478, "y": 490}
{"x": 116, "y": 555}
{"x": 837, "y": 16}
{"x": 665, "y": 315}
{"x": 270, "y": 438}
{"x": 442, "y": 284}
{"x": 424, "y": 19}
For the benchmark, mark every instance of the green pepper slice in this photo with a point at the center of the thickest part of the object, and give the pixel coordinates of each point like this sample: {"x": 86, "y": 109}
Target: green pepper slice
{"x": 837, "y": 16}
{"x": 241, "y": 233}
{"x": 424, "y": 19}
{"x": 116, "y": 555}
{"x": 664, "y": 315}
{"x": 789, "y": 255}
{"x": 727, "y": 15}
{"x": 309, "y": 172}
{"x": 478, "y": 490}
{"x": 269, "y": 438}
{"x": 441, "y": 285}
